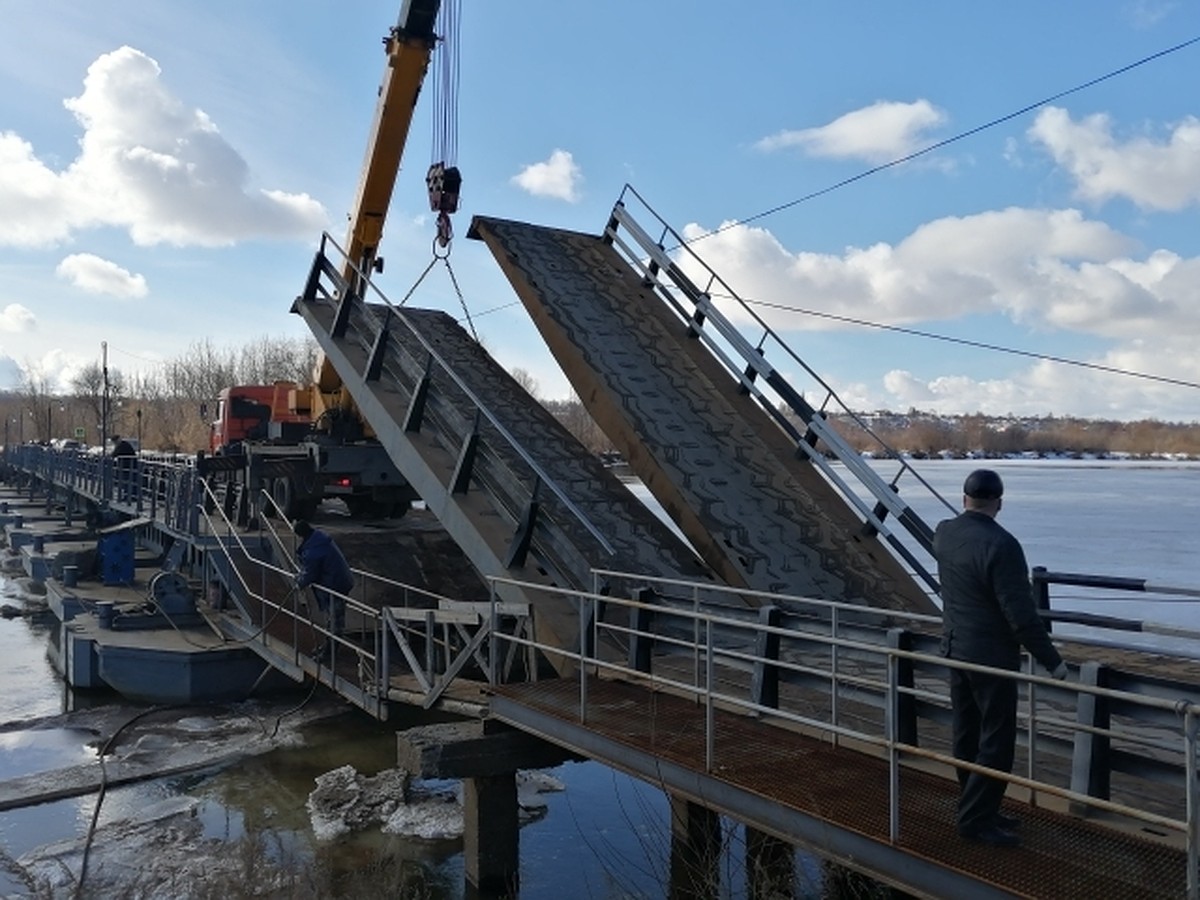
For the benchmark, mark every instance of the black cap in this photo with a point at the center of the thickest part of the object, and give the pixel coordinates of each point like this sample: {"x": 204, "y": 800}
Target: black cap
{"x": 302, "y": 528}
{"x": 983, "y": 484}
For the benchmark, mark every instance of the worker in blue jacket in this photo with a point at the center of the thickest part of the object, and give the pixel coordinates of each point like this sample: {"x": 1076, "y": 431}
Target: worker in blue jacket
{"x": 988, "y": 613}
{"x": 324, "y": 567}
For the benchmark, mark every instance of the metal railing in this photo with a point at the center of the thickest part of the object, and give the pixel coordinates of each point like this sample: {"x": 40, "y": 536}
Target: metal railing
{"x": 437, "y": 636}
{"x": 691, "y": 288}
{"x": 878, "y": 673}
{"x": 510, "y": 471}
{"x": 1043, "y": 579}
{"x": 159, "y": 486}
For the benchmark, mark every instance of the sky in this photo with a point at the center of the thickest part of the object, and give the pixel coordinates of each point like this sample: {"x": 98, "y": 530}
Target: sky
{"x": 167, "y": 169}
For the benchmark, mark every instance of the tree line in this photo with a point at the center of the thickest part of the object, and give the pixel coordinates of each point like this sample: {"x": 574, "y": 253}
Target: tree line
{"x": 171, "y": 409}
{"x": 922, "y": 434}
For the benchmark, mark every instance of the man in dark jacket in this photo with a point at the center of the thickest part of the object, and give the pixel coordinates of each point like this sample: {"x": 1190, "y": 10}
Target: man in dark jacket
{"x": 323, "y": 566}
{"x": 988, "y": 614}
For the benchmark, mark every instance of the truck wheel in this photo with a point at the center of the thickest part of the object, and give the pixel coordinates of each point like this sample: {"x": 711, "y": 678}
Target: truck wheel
{"x": 358, "y": 507}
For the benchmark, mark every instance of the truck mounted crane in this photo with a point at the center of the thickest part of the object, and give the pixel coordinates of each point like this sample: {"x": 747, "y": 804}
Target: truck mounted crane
{"x": 305, "y": 442}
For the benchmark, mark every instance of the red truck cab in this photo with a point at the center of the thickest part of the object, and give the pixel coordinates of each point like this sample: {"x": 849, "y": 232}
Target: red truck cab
{"x": 266, "y": 413}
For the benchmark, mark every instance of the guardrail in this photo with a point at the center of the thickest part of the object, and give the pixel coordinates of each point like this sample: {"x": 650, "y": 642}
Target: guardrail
{"x": 160, "y": 486}
{"x": 491, "y": 456}
{"x": 1043, "y": 579}
{"x": 692, "y": 289}
{"x": 437, "y": 637}
{"x": 887, "y": 689}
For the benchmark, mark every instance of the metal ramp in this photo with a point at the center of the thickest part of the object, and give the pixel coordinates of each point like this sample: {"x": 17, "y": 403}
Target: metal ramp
{"x": 677, "y": 390}
{"x": 514, "y": 489}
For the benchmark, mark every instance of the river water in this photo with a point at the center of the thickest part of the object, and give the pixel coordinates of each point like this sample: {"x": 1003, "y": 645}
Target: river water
{"x": 603, "y": 835}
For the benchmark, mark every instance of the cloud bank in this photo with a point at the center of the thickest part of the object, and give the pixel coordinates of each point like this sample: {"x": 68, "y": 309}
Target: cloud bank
{"x": 147, "y": 163}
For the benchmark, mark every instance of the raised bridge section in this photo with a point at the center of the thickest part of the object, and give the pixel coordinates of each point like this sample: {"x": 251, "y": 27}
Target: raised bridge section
{"x": 514, "y": 489}
{"x": 743, "y": 491}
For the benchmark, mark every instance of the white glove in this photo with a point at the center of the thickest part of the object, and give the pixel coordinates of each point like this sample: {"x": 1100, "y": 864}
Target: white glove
{"x": 1059, "y": 673}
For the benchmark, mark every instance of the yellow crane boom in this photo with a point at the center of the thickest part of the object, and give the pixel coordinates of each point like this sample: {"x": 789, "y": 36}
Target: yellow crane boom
{"x": 409, "y": 46}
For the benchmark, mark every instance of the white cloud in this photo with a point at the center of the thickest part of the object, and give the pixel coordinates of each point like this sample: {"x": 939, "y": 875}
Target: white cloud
{"x": 1155, "y": 175}
{"x": 1148, "y": 13}
{"x": 12, "y": 376}
{"x": 559, "y": 178}
{"x": 36, "y": 211}
{"x": 16, "y": 318}
{"x": 1046, "y": 387}
{"x": 1050, "y": 270}
{"x": 878, "y": 133}
{"x": 94, "y": 275}
{"x": 1044, "y": 268}
{"x": 147, "y": 163}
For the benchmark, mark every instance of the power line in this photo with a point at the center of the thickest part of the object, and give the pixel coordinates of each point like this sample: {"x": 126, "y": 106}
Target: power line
{"x": 943, "y": 143}
{"x": 977, "y": 344}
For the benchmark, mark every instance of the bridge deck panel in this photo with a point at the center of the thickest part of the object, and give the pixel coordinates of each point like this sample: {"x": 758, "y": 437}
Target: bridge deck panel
{"x": 1061, "y": 855}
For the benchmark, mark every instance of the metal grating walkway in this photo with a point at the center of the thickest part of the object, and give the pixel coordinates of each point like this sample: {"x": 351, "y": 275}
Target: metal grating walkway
{"x": 834, "y": 800}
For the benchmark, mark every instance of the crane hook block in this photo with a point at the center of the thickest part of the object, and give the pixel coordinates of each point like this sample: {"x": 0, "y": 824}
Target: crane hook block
{"x": 444, "y": 185}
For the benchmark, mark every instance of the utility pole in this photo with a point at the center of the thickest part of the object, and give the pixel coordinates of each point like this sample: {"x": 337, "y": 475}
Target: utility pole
{"x": 104, "y": 460}
{"x": 104, "y": 395}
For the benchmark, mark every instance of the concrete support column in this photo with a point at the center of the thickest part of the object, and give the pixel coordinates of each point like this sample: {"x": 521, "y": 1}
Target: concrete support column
{"x": 770, "y": 867}
{"x": 490, "y": 839}
{"x": 695, "y": 851}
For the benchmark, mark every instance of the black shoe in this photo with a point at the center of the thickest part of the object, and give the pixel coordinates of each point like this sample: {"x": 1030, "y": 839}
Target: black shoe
{"x": 993, "y": 836}
{"x": 1006, "y": 823}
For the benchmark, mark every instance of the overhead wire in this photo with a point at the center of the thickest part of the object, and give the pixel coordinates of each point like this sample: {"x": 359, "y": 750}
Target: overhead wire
{"x": 936, "y": 146}
{"x": 966, "y": 342}
{"x": 907, "y": 158}
{"x": 947, "y": 141}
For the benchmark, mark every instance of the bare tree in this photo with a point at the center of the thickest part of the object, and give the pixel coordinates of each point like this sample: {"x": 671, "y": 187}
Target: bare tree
{"x": 526, "y": 380}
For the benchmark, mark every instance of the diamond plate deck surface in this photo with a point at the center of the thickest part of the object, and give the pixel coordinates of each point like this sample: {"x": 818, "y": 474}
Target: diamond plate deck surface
{"x": 712, "y": 458}
{"x": 1061, "y": 856}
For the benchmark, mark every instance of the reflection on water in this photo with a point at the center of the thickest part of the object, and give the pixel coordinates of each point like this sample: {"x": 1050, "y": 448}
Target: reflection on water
{"x": 26, "y": 752}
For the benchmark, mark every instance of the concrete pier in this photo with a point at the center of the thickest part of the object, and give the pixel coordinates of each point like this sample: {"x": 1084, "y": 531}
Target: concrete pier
{"x": 486, "y": 756}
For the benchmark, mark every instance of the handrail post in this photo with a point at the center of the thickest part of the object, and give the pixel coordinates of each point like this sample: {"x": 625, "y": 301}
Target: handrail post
{"x": 709, "y": 716}
{"x": 493, "y": 641}
{"x": 584, "y": 602}
{"x": 1191, "y": 727}
{"x": 1031, "y": 734}
{"x": 893, "y": 688}
{"x": 833, "y": 675}
{"x": 385, "y": 660}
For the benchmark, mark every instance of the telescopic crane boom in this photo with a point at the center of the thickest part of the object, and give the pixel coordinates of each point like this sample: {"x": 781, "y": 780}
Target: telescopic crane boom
{"x": 409, "y": 47}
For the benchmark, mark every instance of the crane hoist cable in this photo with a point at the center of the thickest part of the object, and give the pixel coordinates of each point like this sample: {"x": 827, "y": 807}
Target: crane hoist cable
{"x": 443, "y": 180}
{"x": 445, "y": 259}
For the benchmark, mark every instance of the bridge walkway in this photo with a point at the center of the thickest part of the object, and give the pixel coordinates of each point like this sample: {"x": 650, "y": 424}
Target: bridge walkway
{"x": 807, "y": 791}
{"x": 835, "y": 739}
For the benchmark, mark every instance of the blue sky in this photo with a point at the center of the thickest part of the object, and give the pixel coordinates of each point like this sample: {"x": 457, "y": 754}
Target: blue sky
{"x": 166, "y": 170}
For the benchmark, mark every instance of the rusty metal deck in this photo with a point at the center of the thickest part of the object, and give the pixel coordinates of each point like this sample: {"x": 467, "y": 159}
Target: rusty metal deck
{"x": 835, "y": 799}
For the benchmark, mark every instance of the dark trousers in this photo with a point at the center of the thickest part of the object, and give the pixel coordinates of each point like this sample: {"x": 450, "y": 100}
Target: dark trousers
{"x": 333, "y": 608}
{"x": 985, "y": 733}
